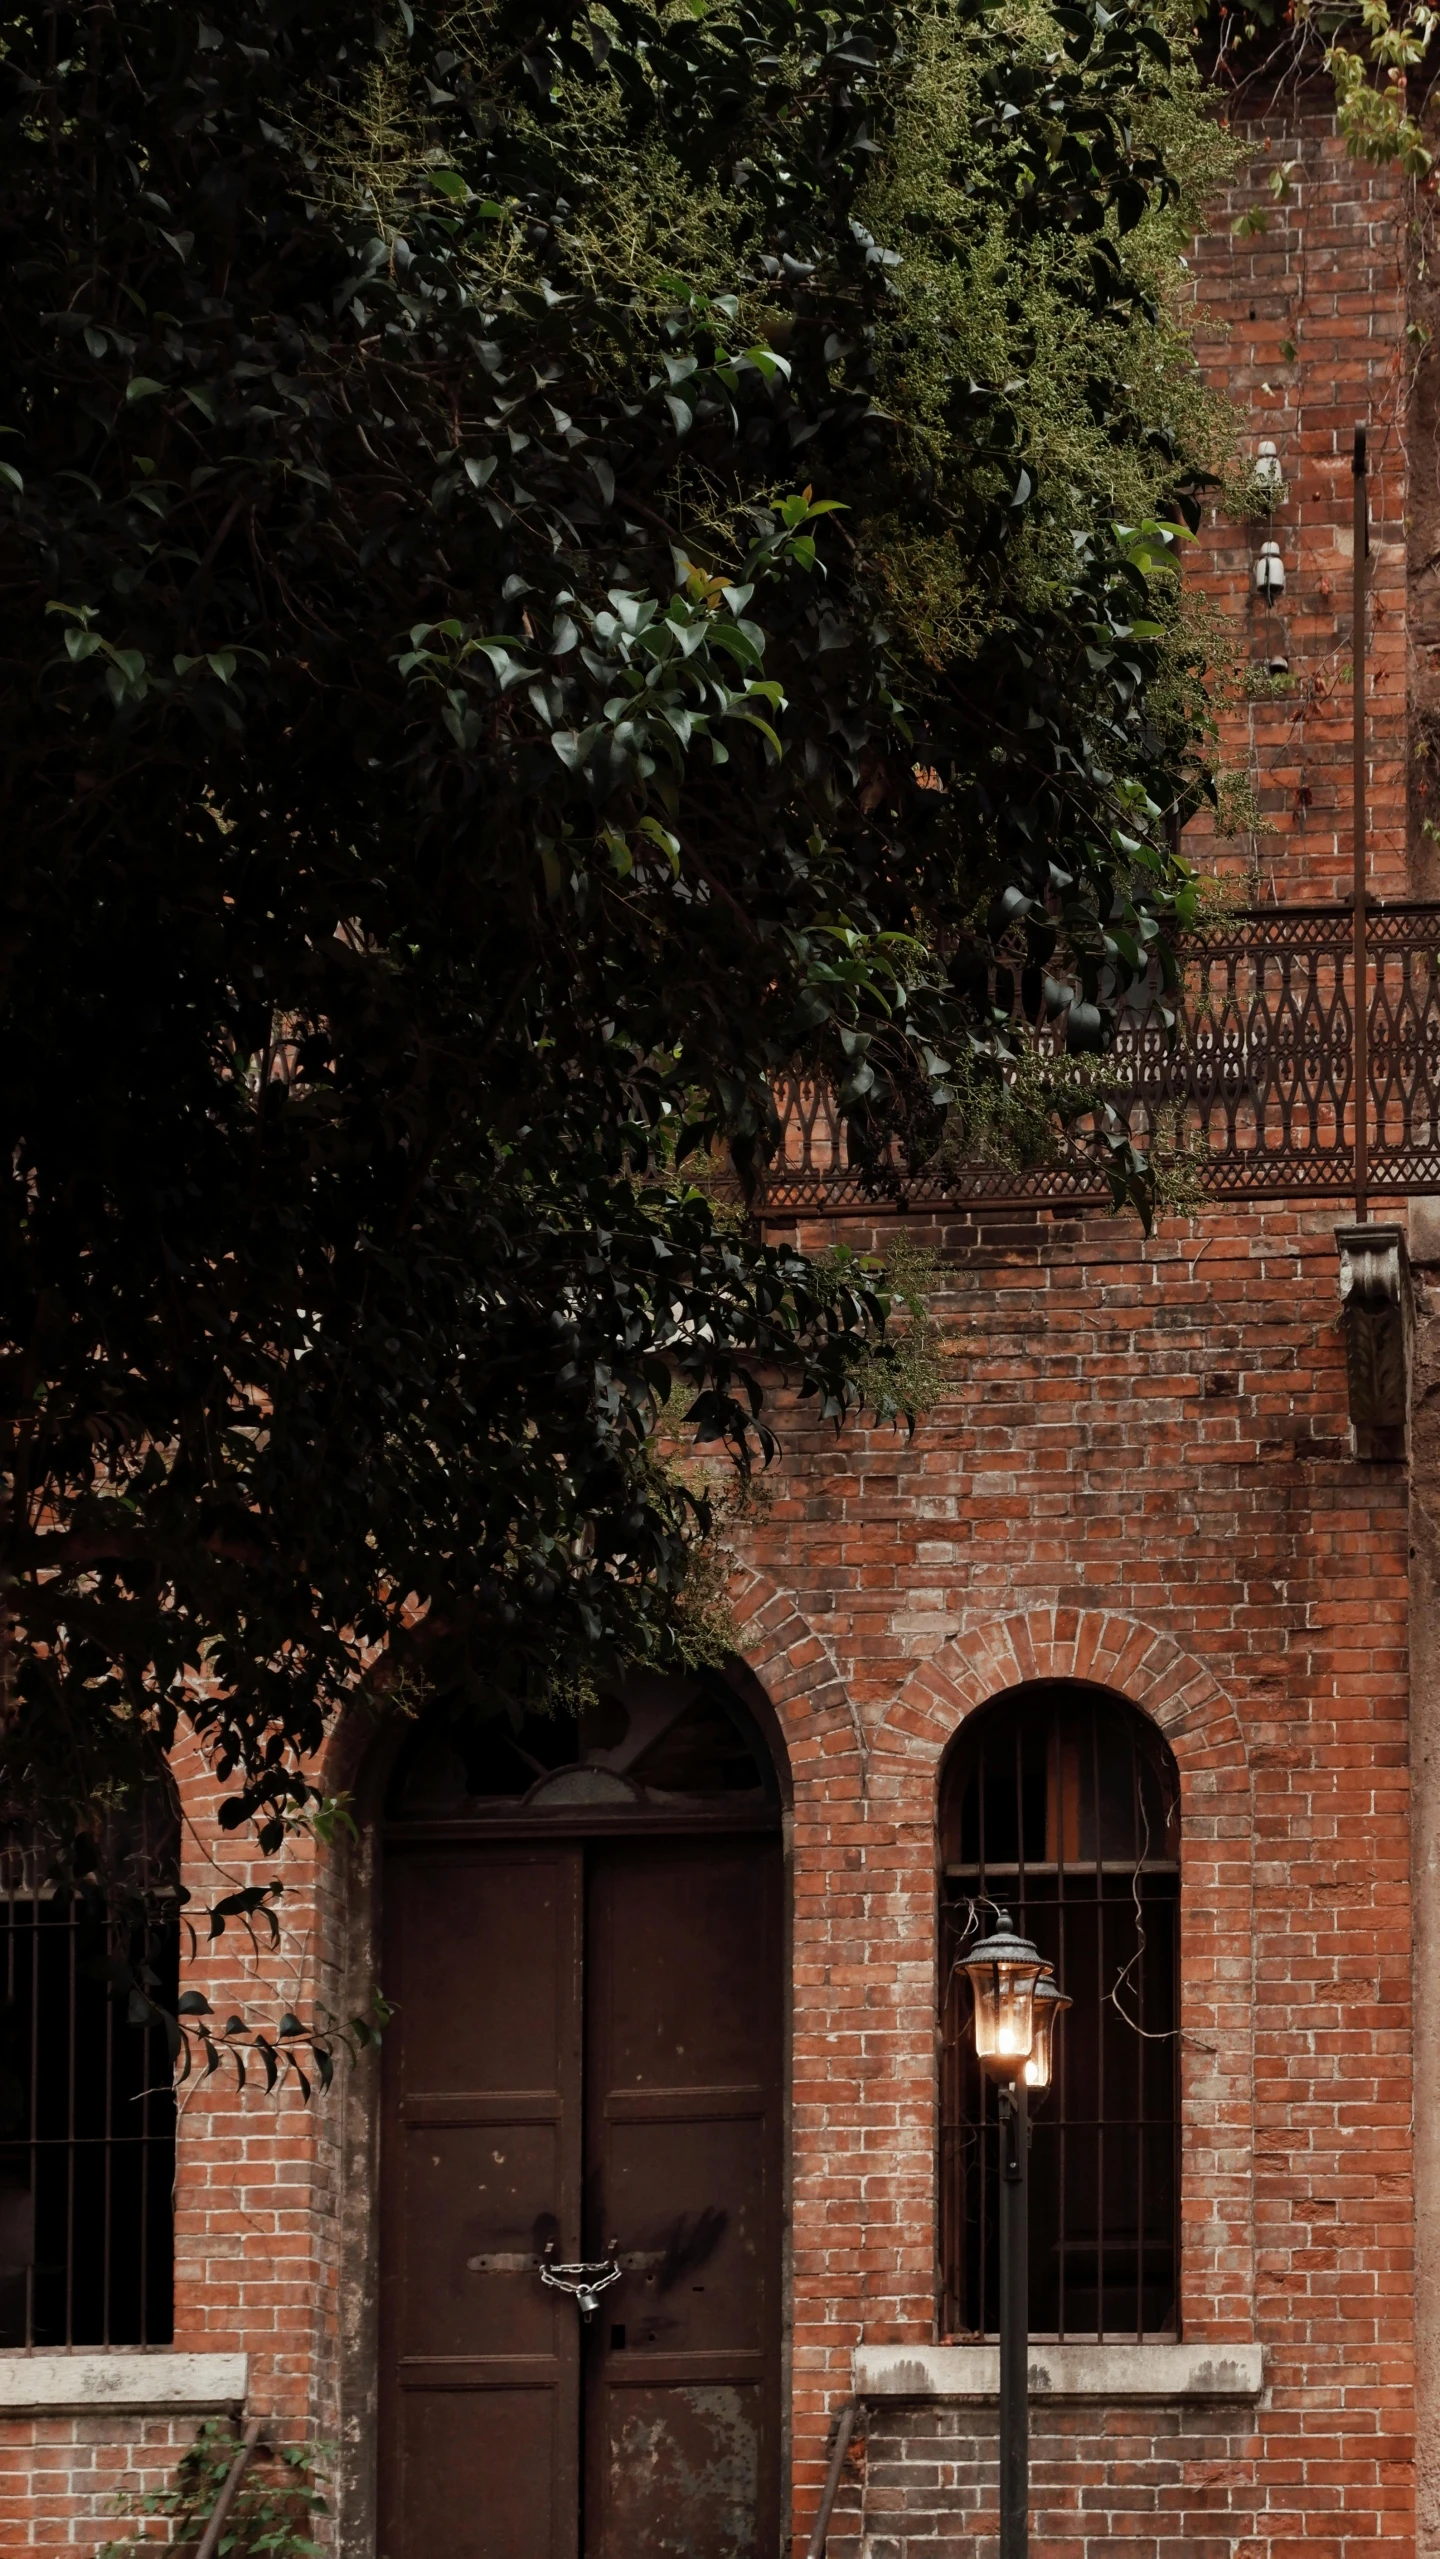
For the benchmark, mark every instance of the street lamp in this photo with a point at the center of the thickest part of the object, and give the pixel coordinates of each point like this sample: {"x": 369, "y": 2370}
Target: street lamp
{"x": 1017, "y": 2007}
{"x": 1003, "y": 1971}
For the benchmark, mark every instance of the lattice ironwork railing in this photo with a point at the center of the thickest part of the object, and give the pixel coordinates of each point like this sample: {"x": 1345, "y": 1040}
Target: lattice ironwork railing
{"x": 1255, "y": 1083}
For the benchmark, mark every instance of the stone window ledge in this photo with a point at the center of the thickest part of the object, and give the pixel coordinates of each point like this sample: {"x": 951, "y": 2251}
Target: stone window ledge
{"x": 153, "y": 2383}
{"x": 1160, "y": 2371}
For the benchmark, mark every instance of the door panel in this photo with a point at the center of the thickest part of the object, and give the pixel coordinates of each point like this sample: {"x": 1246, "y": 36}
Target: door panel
{"x": 486, "y": 1943}
{"x": 696, "y": 2268}
{"x": 480, "y": 2165}
{"x": 685, "y": 2471}
{"x": 683, "y": 2157}
{"x": 483, "y": 2470}
{"x": 684, "y": 1951}
{"x": 475, "y": 2197}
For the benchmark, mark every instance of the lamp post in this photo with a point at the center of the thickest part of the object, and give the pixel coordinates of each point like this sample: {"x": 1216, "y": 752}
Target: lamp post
{"x": 1017, "y": 2008}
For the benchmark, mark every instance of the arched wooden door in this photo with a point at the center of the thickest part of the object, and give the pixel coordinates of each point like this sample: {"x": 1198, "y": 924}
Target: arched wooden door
{"x": 583, "y": 1939}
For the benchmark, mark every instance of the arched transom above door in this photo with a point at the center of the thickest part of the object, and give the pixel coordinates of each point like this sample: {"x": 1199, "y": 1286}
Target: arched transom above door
{"x": 649, "y": 1747}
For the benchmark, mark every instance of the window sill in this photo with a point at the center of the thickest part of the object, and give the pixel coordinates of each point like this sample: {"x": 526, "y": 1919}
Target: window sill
{"x": 1159, "y": 2371}
{"x": 132, "y": 2382}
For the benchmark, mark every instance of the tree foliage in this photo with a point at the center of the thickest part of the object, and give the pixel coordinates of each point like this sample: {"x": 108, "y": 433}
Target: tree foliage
{"x": 1377, "y": 115}
{"x": 275, "y": 2515}
{"x": 555, "y": 562}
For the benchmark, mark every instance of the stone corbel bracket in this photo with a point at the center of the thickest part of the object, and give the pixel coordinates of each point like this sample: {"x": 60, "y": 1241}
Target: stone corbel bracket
{"x": 1376, "y": 1310}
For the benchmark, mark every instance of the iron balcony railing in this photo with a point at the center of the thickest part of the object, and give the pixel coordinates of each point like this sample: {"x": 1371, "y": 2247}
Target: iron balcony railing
{"x": 1253, "y": 1088}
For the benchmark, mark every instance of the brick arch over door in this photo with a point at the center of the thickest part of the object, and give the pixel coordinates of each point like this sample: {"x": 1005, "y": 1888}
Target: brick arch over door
{"x": 825, "y": 1740}
{"x": 1144, "y": 1664}
{"x": 797, "y": 1671}
{"x": 819, "y": 1735}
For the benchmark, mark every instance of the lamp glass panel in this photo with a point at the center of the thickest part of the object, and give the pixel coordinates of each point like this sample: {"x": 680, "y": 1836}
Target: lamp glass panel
{"x": 1004, "y": 2009}
{"x": 1039, "y": 2067}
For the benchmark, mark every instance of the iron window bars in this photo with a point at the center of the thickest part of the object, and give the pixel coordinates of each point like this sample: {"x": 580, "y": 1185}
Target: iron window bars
{"x": 1062, "y": 1804}
{"x": 87, "y": 2126}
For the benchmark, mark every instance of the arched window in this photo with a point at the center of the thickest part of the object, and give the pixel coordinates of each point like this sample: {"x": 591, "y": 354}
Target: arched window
{"x": 1061, "y": 1804}
{"x": 87, "y": 2110}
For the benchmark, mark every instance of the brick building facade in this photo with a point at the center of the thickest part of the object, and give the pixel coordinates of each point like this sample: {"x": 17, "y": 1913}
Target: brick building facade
{"x": 1141, "y": 1478}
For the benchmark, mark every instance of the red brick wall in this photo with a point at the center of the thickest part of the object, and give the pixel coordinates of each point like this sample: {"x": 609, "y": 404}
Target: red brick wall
{"x": 1303, "y": 327}
{"x": 60, "y": 2477}
{"x": 256, "y": 2170}
{"x": 1141, "y": 1476}
{"x": 1158, "y": 2480}
{"x": 1139, "y": 1473}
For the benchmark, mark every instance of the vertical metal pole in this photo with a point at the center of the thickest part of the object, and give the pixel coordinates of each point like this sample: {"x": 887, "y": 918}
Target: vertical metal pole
{"x": 1014, "y": 2323}
{"x": 32, "y": 2307}
{"x": 1362, "y": 957}
{"x": 72, "y": 2041}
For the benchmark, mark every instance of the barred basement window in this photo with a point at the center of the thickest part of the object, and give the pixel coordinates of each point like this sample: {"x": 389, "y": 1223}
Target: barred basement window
{"x": 87, "y": 2114}
{"x": 1061, "y": 1803}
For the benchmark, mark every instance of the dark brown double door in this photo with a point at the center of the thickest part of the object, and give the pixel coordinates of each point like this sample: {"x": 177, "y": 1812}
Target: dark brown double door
{"x": 587, "y": 2050}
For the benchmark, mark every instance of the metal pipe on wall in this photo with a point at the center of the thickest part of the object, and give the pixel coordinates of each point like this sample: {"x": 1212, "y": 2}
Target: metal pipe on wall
{"x": 220, "y": 2512}
{"x": 1358, "y": 779}
{"x": 843, "y": 2432}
